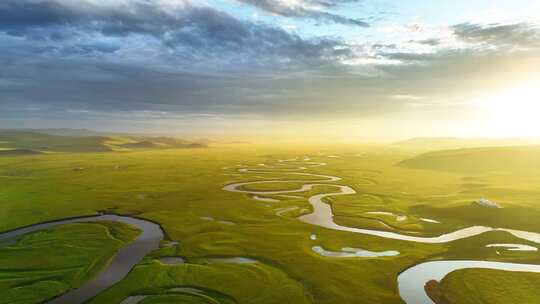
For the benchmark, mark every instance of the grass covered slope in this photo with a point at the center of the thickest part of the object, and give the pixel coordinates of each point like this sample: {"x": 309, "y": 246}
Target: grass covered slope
{"x": 479, "y": 160}
{"x": 480, "y": 286}
{"x": 228, "y": 282}
{"x": 44, "y": 264}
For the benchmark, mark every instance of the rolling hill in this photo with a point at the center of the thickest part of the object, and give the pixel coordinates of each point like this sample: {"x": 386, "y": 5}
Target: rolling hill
{"x": 479, "y": 160}
{"x": 17, "y": 142}
{"x": 17, "y": 152}
{"x": 447, "y": 143}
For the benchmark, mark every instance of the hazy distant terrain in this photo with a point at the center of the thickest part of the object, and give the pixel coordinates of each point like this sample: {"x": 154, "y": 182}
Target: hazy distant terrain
{"x": 25, "y": 142}
{"x": 445, "y": 143}
{"x": 479, "y": 160}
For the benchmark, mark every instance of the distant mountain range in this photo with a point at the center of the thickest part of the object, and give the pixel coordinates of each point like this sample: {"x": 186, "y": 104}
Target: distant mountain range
{"x": 32, "y": 141}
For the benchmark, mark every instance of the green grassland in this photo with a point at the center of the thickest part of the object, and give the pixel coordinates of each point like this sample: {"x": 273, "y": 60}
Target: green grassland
{"x": 47, "y": 263}
{"x": 478, "y": 286}
{"x": 385, "y": 183}
{"x": 182, "y": 188}
{"x": 245, "y": 283}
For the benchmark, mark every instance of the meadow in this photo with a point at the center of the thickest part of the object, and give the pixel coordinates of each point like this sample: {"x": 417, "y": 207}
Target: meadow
{"x": 181, "y": 189}
{"x": 45, "y": 264}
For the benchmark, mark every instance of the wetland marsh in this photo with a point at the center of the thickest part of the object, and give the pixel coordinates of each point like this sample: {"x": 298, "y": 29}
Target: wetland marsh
{"x": 282, "y": 217}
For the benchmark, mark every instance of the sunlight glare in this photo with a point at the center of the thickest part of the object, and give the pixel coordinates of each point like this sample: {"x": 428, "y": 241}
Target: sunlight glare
{"x": 513, "y": 112}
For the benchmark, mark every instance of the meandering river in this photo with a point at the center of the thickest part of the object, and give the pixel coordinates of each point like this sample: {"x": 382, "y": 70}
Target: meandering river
{"x": 124, "y": 260}
{"x": 411, "y": 282}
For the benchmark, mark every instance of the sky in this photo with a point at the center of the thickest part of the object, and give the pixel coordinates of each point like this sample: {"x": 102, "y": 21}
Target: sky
{"x": 329, "y": 69}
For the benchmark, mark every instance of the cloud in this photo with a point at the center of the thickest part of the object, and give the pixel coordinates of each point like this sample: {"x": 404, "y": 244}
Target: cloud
{"x": 407, "y": 97}
{"x": 181, "y": 35}
{"x": 429, "y": 41}
{"x": 331, "y": 3}
{"x": 121, "y": 56}
{"x": 18, "y": 17}
{"x": 517, "y": 35}
{"x": 305, "y": 9}
{"x": 97, "y": 57}
{"x": 214, "y": 34}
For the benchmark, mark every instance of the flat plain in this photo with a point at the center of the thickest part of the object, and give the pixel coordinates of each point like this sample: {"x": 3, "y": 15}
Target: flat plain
{"x": 239, "y": 248}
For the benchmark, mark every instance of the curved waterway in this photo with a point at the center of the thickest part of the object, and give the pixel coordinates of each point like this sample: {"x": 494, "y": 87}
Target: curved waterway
{"x": 323, "y": 216}
{"x": 412, "y": 281}
{"x": 124, "y": 260}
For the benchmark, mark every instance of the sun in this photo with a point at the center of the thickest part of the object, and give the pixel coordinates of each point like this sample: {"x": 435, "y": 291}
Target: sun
{"x": 513, "y": 112}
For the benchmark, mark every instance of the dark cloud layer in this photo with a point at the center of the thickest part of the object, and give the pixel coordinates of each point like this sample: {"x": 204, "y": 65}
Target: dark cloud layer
{"x": 186, "y": 34}
{"x": 138, "y": 56}
{"x": 279, "y": 8}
